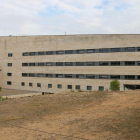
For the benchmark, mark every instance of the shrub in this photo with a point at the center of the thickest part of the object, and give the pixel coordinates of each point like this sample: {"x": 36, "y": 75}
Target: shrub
{"x": 0, "y": 88}
{"x": 115, "y": 85}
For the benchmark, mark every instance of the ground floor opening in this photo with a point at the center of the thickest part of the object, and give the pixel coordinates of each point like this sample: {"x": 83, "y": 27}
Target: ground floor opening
{"x": 131, "y": 87}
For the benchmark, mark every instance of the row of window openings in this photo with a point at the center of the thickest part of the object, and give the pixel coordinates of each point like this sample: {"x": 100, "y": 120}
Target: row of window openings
{"x": 82, "y": 51}
{"x": 58, "y": 86}
{"x": 103, "y": 63}
{"x": 82, "y": 76}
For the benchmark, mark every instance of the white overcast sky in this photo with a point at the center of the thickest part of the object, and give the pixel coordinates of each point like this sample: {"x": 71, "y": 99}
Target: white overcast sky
{"x": 55, "y": 17}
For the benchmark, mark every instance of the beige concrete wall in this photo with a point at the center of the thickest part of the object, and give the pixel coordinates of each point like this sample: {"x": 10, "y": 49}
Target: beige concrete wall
{"x": 18, "y": 45}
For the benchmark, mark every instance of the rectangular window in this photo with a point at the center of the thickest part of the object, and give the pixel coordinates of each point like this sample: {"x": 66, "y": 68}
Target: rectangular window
{"x": 138, "y": 49}
{"x": 30, "y": 84}
{"x": 89, "y": 87}
{"x": 24, "y": 75}
{"x": 41, "y": 64}
{"x": 68, "y": 75}
{"x": 101, "y": 88}
{"x": 91, "y": 51}
{"x": 40, "y": 75}
{"x": 59, "y": 86}
{"x": 59, "y": 52}
{"x": 69, "y": 52}
{"x": 130, "y": 49}
{"x": 9, "y": 74}
{"x": 32, "y": 53}
{"x": 25, "y": 54}
{"x": 80, "y": 63}
{"x": 81, "y": 76}
{"x": 130, "y": 77}
{"x": 49, "y": 53}
{"x": 68, "y": 63}
{"x": 130, "y": 63}
{"x": 69, "y": 87}
{"x": 90, "y": 63}
{"x": 9, "y": 64}
{"x": 103, "y": 50}
{"x": 59, "y": 63}
{"x": 24, "y": 64}
{"x": 103, "y": 76}
{"x": 90, "y": 76}
{"x": 38, "y": 84}
{"x": 138, "y": 62}
{"x": 103, "y": 63}
{"x": 31, "y": 74}
{"x": 9, "y": 83}
{"x": 22, "y": 84}
{"x": 77, "y": 86}
{"x": 49, "y": 64}
{"x": 116, "y": 63}
{"x": 49, "y": 85}
{"x": 80, "y": 51}
{"x": 115, "y": 76}
{"x": 59, "y": 75}
{"x": 49, "y": 75}
{"x": 115, "y": 49}
{"x": 10, "y": 54}
{"x": 41, "y": 53}
{"x": 31, "y": 64}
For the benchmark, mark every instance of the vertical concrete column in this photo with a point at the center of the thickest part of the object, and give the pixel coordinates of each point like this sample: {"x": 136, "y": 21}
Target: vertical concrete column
{"x": 96, "y": 50}
{"x": 122, "y": 77}
{"x": 96, "y": 76}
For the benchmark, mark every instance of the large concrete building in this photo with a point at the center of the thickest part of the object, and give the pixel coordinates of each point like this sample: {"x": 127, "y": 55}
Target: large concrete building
{"x": 57, "y": 64}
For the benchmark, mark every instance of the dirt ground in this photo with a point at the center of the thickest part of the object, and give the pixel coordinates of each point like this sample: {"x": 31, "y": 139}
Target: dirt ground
{"x": 72, "y": 116}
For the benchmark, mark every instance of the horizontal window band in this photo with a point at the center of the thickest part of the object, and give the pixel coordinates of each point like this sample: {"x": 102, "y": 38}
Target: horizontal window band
{"x": 83, "y": 51}
{"x": 82, "y": 76}
{"x": 89, "y": 63}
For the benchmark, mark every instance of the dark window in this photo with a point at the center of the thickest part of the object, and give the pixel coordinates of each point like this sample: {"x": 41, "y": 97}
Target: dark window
{"x": 138, "y": 62}
{"x": 68, "y": 75}
{"x": 9, "y": 64}
{"x": 69, "y": 86}
{"x": 115, "y": 49}
{"x": 40, "y": 64}
{"x": 91, "y": 51}
{"x": 138, "y": 77}
{"x": 103, "y": 50}
{"x": 49, "y": 53}
{"x": 80, "y": 51}
{"x": 116, "y": 63}
{"x": 38, "y": 84}
{"x": 90, "y": 63}
{"x": 130, "y": 77}
{"x": 115, "y": 76}
{"x": 69, "y": 52}
{"x": 90, "y": 76}
{"x": 129, "y": 63}
{"x": 30, "y": 84}
{"x": 41, "y": 53}
{"x": 59, "y": 63}
{"x": 25, "y": 54}
{"x": 103, "y": 63}
{"x": 130, "y": 49}
{"x": 81, "y": 76}
{"x": 59, "y": 86}
{"x": 138, "y": 49}
{"x": 22, "y": 84}
{"x": 59, "y": 75}
{"x": 32, "y": 53}
{"x": 10, "y": 54}
{"x": 59, "y": 52}
{"x": 89, "y": 87}
{"x": 103, "y": 76}
{"x": 68, "y": 63}
{"x": 24, "y": 64}
{"x": 49, "y": 85}
{"x": 49, "y": 64}
{"x": 49, "y": 75}
{"x": 31, "y": 74}
{"x": 77, "y": 87}
{"x": 24, "y": 75}
{"x": 9, "y": 83}
{"x": 31, "y": 64}
{"x": 9, "y": 74}
{"x": 80, "y": 63}
{"x": 40, "y": 75}
{"x": 101, "y": 88}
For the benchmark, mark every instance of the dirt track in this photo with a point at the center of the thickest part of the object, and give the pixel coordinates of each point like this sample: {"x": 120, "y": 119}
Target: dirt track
{"x": 72, "y": 116}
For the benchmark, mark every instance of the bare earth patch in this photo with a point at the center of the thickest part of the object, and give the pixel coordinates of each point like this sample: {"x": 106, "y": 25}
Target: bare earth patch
{"x": 72, "y": 116}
